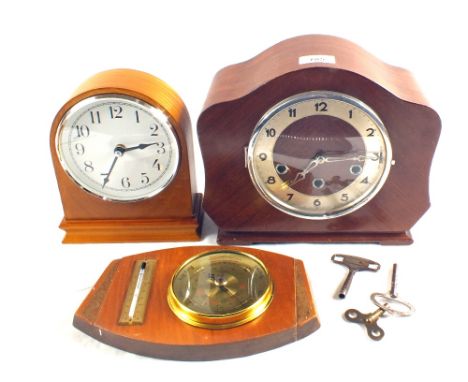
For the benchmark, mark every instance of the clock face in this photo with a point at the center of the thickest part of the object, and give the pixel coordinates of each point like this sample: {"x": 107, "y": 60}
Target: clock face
{"x": 220, "y": 289}
{"x": 319, "y": 155}
{"x": 118, "y": 147}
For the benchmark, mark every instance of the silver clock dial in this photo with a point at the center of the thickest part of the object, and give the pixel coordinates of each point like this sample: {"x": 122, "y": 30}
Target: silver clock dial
{"x": 118, "y": 147}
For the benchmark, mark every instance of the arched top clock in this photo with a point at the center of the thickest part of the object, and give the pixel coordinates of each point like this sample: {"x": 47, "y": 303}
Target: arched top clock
{"x": 121, "y": 148}
{"x": 316, "y": 140}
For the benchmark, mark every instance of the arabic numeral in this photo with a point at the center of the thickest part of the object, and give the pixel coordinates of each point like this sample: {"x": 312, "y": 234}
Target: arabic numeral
{"x": 161, "y": 149}
{"x": 157, "y": 165}
{"x": 82, "y": 131}
{"x": 79, "y": 149}
{"x": 88, "y": 166}
{"x": 144, "y": 178}
{"x": 370, "y": 132}
{"x": 125, "y": 182}
{"x": 290, "y": 196}
{"x": 292, "y": 113}
{"x": 344, "y": 197}
{"x": 321, "y": 106}
{"x": 115, "y": 111}
{"x": 350, "y": 114}
{"x": 271, "y": 180}
{"x": 154, "y": 128}
{"x": 270, "y": 133}
{"x": 95, "y": 116}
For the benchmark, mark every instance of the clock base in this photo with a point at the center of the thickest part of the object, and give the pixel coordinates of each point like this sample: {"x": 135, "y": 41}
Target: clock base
{"x": 249, "y": 238}
{"x": 134, "y": 231}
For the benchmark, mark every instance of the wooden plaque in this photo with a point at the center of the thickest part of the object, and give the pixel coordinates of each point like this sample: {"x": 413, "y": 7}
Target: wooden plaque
{"x": 158, "y": 332}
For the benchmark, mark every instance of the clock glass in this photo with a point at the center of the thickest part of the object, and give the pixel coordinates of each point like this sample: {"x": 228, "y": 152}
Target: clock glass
{"x": 319, "y": 155}
{"x": 118, "y": 147}
{"x": 220, "y": 289}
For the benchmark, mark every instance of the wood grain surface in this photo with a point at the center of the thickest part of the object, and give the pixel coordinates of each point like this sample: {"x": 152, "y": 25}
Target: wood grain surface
{"x": 290, "y": 316}
{"x": 239, "y": 96}
{"x": 175, "y": 207}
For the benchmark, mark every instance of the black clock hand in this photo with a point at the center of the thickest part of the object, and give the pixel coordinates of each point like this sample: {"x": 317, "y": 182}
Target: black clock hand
{"x": 118, "y": 152}
{"x": 141, "y": 146}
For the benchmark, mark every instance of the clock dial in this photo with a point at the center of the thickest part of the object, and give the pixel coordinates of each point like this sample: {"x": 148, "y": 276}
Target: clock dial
{"x": 319, "y": 155}
{"x": 118, "y": 147}
{"x": 220, "y": 289}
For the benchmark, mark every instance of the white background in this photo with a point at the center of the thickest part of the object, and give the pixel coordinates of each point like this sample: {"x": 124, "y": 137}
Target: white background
{"x": 48, "y": 48}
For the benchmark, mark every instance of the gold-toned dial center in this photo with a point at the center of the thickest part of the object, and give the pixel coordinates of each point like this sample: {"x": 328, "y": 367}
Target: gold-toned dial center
{"x": 220, "y": 289}
{"x": 319, "y": 155}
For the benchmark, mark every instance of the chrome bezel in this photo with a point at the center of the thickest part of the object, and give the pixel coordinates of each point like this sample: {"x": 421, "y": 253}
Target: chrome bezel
{"x": 152, "y": 109}
{"x": 306, "y": 96}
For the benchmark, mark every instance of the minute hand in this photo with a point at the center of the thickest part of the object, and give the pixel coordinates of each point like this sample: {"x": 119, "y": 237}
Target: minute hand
{"x": 359, "y": 158}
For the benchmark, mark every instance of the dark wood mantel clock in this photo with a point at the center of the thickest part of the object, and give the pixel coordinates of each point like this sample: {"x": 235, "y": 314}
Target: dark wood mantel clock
{"x": 121, "y": 149}
{"x": 200, "y": 303}
{"x": 316, "y": 140}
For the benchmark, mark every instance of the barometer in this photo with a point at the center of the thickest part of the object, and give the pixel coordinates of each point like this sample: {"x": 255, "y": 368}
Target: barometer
{"x": 220, "y": 289}
{"x": 200, "y": 303}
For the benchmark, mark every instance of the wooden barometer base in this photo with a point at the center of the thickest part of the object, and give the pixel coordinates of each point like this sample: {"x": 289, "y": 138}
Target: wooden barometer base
{"x": 249, "y": 238}
{"x": 157, "y": 332}
{"x": 134, "y": 231}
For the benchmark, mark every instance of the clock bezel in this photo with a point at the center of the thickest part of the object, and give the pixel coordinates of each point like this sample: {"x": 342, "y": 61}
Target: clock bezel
{"x": 152, "y": 109}
{"x": 307, "y": 96}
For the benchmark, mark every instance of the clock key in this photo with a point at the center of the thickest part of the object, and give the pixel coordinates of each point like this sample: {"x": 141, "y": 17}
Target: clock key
{"x": 354, "y": 264}
{"x": 386, "y": 303}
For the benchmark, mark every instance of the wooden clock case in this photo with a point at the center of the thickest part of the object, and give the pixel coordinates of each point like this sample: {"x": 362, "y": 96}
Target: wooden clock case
{"x": 240, "y": 94}
{"x": 290, "y": 316}
{"x": 175, "y": 214}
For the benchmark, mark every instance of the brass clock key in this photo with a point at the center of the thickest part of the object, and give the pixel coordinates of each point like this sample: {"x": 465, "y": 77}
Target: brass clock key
{"x": 386, "y": 303}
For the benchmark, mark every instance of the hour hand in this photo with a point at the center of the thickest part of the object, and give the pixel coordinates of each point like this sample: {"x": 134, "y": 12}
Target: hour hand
{"x": 141, "y": 146}
{"x": 300, "y": 176}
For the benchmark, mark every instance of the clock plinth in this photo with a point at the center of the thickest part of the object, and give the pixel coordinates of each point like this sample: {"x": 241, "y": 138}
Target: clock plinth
{"x": 249, "y": 238}
{"x": 138, "y": 230}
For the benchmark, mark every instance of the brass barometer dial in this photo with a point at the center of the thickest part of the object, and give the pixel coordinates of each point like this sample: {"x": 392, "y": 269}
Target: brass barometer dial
{"x": 319, "y": 155}
{"x": 220, "y": 289}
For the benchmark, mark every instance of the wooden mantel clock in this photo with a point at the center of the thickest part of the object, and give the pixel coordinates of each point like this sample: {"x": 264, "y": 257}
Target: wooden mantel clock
{"x": 316, "y": 140}
{"x": 121, "y": 148}
{"x": 200, "y": 303}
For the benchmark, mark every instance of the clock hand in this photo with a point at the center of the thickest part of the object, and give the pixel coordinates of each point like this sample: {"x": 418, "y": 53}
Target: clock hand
{"x": 118, "y": 152}
{"x": 141, "y": 146}
{"x": 310, "y": 166}
{"x": 300, "y": 176}
{"x": 360, "y": 158}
